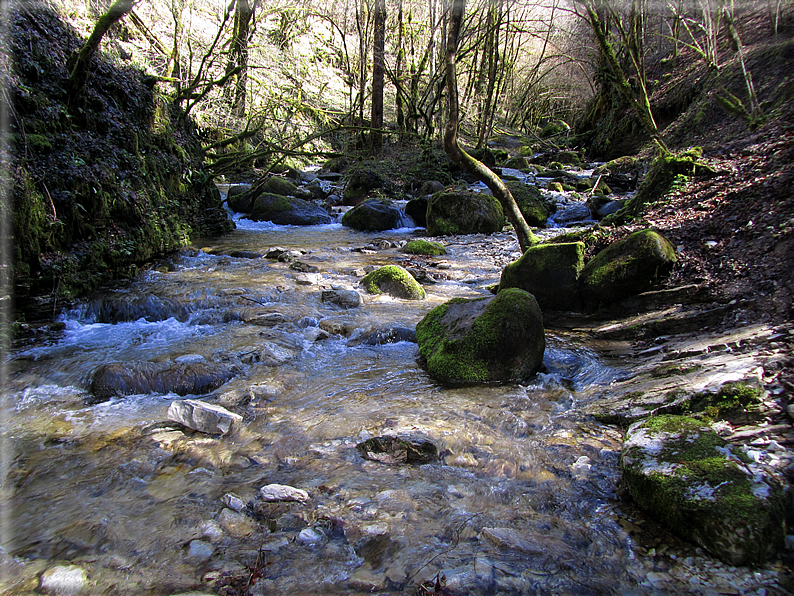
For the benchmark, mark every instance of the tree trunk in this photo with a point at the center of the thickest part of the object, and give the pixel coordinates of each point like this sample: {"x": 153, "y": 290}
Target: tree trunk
{"x": 79, "y": 64}
{"x": 398, "y": 70}
{"x": 378, "y": 70}
{"x": 476, "y": 168}
{"x": 244, "y": 14}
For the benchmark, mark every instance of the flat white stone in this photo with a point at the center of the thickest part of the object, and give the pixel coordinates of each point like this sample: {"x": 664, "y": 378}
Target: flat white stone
{"x": 64, "y": 580}
{"x": 282, "y": 492}
{"x": 203, "y": 417}
{"x": 309, "y": 536}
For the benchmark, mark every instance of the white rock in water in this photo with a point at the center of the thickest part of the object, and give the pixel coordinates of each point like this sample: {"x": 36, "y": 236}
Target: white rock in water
{"x": 203, "y": 417}
{"x": 309, "y": 536}
{"x": 200, "y": 550}
{"x": 189, "y": 358}
{"x": 64, "y": 580}
{"x": 282, "y": 492}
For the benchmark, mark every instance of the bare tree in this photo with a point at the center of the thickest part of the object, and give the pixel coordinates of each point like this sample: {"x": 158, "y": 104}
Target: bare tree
{"x": 378, "y": 70}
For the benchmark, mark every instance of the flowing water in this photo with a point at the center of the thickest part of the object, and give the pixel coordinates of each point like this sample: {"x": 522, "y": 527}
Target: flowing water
{"x": 522, "y": 499}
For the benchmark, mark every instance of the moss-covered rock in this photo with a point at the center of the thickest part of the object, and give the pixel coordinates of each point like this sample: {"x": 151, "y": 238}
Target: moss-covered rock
{"x": 288, "y": 211}
{"x": 484, "y": 339}
{"x": 239, "y": 198}
{"x": 518, "y": 162}
{"x": 627, "y": 267}
{"x": 463, "y": 212}
{"x": 550, "y": 272}
{"x": 374, "y": 215}
{"x": 555, "y": 127}
{"x": 555, "y": 186}
{"x": 704, "y": 489}
{"x": 361, "y": 182}
{"x": 423, "y": 247}
{"x": 395, "y": 281}
{"x": 278, "y": 185}
{"x": 534, "y": 207}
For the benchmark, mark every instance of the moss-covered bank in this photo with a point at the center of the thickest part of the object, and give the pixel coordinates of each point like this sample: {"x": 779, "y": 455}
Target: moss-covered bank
{"x": 100, "y": 189}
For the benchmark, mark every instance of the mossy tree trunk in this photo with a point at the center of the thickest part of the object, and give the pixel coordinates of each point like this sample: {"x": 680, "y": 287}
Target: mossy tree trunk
{"x": 79, "y": 63}
{"x": 378, "y": 75}
{"x": 639, "y": 100}
{"x": 474, "y": 167}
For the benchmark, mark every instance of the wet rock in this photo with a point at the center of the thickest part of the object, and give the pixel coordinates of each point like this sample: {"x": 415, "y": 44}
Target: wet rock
{"x": 310, "y": 536}
{"x": 463, "y": 212}
{"x": 234, "y": 502}
{"x": 337, "y": 326}
{"x": 394, "y": 450}
{"x": 384, "y": 335}
{"x": 266, "y": 319}
{"x": 118, "y": 379}
{"x": 64, "y": 580}
{"x": 395, "y": 281}
{"x": 484, "y": 339}
{"x": 279, "y": 186}
{"x": 627, "y": 267}
{"x": 203, "y": 417}
{"x": 550, "y": 272}
{"x": 416, "y": 209}
{"x": 272, "y": 354}
{"x": 361, "y": 182}
{"x": 572, "y": 212}
{"x": 236, "y": 524}
{"x": 134, "y": 307}
{"x": 239, "y": 198}
{"x": 200, "y": 550}
{"x": 704, "y": 489}
{"x": 423, "y": 247}
{"x": 308, "y": 279}
{"x": 374, "y": 215}
{"x": 313, "y": 334}
{"x": 283, "y": 255}
{"x": 282, "y": 492}
{"x": 304, "y": 267}
{"x": 288, "y": 211}
{"x": 341, "y": 298}
{"x": 245, "y": 254}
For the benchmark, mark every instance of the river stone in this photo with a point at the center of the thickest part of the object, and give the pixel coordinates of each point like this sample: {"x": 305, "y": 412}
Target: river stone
{"x": 374, "y": 215}
{"x": 239, "y": 198}
{"x": 488, "y": 339}
{"x": 203, "y": 417}
{"x": 282, "y": 492}
{"x": 572, "y": 212}
{"x": 288, "y": 211}
{"x": 133, "y": 307}
{"x": 360, "y": 182}
{"x": 64, "y": 580}
{"x": 463, "y": 212}
{"x": 550, "y": 272}
{"x": 342, "y": 298}
{"x": 278, "y": 185}
{"x": 198, "y": 549}
{"x": 131, "y": 378}
{"x": 394, "y": 450}
{"x": 704, "y": 489}
{"x": 627, "y": 267}
{"x": 384, "y": 335}
{"x": 266, "y": 319}
{"x": 395, "y": 281}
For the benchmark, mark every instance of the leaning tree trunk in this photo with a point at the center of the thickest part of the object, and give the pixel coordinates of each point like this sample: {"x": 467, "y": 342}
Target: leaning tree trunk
{"x": 80, "y": 63}
{"x": 474, "y": 167}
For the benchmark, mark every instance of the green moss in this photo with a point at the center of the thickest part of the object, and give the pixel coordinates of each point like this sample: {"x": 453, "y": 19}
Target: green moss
{"x": 39, "y": 143}
{"x": 423, "y": 247}
{"x": 395, "y": 281}
{"x": 533, "y": 206}
{"x": 735, "y": 400}
{"x": 279, "y": 186}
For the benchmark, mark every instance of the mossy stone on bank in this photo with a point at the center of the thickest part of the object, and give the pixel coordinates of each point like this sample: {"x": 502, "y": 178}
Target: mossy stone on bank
{"x": 483, "y": 340}
{"x": 423, "y": 247}
{"x": 627, "y": 267}
{"x": 452, "y": 212}
{"x": 278, "y": 185}
{"x": 362, "y": 181}
{"x": 533, "y": 206}
{"x": 395, "y": 281}
{"x": 550, "y": 272}
{"x": 704, "y": 489}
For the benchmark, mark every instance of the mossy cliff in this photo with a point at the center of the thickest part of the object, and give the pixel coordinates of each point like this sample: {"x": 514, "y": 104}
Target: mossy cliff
{"x": 99, "y": 186}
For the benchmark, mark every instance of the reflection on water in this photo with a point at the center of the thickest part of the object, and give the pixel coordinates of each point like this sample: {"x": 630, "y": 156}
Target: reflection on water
{"x": 521, "y": 500}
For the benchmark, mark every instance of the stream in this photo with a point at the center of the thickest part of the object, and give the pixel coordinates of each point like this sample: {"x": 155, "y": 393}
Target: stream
{"x": 522, "y": 499}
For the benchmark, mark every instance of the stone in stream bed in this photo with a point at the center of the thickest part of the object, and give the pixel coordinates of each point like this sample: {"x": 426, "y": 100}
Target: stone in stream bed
{"x": 394, "y": 450}
{"x": 64, "y": 580}
{"x": 704, "y": 489}
{"x": 283, "y": 492}
{"x": 132, "y": 378}
{"x": 203, "y": 417}
{"x": 395, "y": 281}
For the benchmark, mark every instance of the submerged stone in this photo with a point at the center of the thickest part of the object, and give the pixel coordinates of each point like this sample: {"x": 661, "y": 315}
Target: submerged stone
{"x": 704, "y": 489}
{"x": 203, "y": 417}
{"x": 64, "y": 580}
{"x": 484, "y": 339}
{"x": 394, "y": 450}
{"x": 283, "y": 492}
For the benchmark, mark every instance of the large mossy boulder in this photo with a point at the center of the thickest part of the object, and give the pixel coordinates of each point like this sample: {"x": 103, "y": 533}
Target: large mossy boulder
{"x": 278, "y": 185}
{"x": 288, "y": 211}
{"x": 239, "y": 198}
{"x": 627, "y": 267}
{"x": 463, "y": 212}
{"x": 394, "y": 281}
{"x": 550, "y": 272}
{"x": 374, "y": 215}
{"x": 362, "y": 181}
{"x": 482, "y": 340}
{"x": 704, "y": 489}
{"x": 533, "y": 206}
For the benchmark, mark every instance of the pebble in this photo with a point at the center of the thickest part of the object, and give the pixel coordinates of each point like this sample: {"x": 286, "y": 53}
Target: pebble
{"x": 64, "y": 580}
{"x": 199, "y": 549}
{"x": 310, "y": 536}
{"x": 233, "y": 502}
